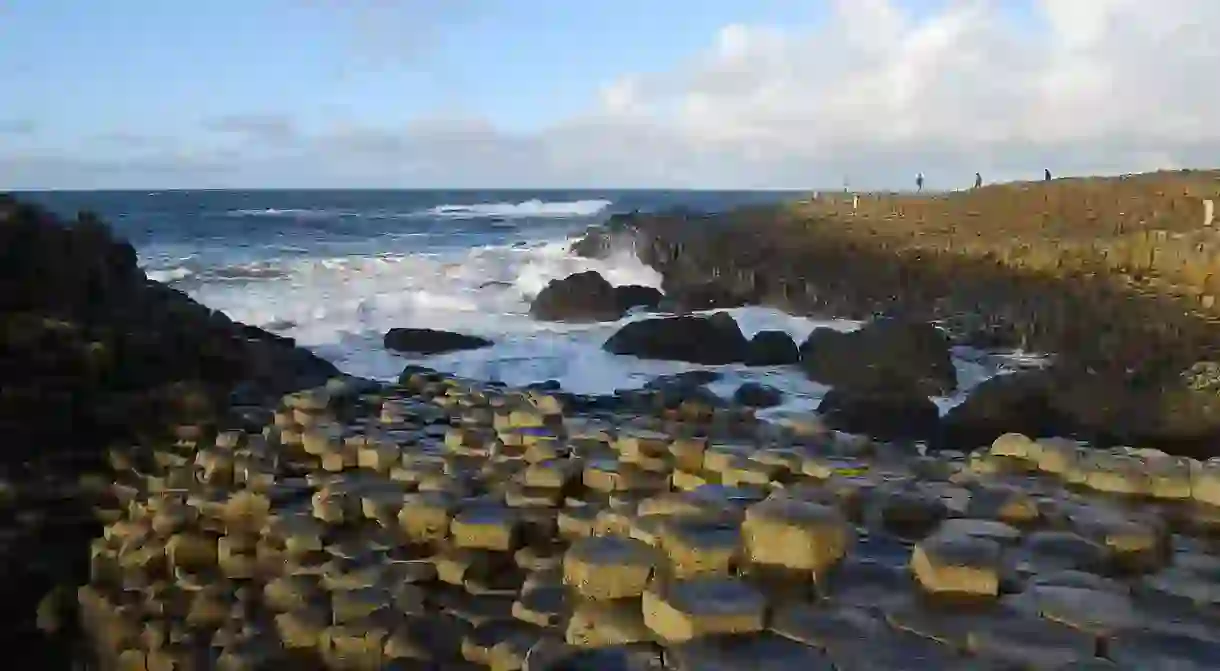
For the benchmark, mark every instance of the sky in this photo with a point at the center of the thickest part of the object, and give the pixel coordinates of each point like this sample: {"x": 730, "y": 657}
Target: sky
{"x": 159, "y": 94}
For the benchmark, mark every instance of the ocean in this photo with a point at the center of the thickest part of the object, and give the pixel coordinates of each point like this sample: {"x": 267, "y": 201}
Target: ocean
{"x": 336, "y": 269}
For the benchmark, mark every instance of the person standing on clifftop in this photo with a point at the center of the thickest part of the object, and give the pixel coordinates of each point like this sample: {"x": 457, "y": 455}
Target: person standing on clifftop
{"x": 978, "y": 180}
{"x": 1047, "y": 171}
{"x": 919, "y": 182}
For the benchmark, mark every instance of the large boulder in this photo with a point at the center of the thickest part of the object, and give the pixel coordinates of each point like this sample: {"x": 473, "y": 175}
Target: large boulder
{"x": 710, "y": 340}
{"x": 1015, "y": 402}
{"x": 430, "y": 341}
{"x": 588, "y": 297}
{"x": 582, "y": 297}
{"x": 889, "y": 351}
{"x": 772, "y": 348}
{"x": 883, "y": 412}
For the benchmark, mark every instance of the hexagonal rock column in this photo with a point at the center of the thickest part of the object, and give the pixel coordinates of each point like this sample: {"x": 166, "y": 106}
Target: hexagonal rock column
{"x": 795, "y": 537}
{"x": 680, "y": 610}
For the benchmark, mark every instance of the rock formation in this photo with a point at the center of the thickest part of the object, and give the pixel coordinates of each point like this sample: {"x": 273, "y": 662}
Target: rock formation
{"x": 93, "y": 357}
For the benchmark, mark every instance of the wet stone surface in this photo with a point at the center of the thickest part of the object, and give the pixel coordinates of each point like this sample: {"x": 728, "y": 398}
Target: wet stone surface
{"x": 446, "y": 524}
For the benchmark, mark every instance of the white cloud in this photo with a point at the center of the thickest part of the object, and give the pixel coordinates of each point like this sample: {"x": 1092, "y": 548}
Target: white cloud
{"x": 1101, "y": 85}
{"x": 873, "y": 94}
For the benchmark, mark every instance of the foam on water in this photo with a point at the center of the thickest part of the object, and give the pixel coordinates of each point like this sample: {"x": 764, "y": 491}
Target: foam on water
{"x": 341, "y": 307}
{"x": 337, "y": 275}
{"x": 531, "y": 208}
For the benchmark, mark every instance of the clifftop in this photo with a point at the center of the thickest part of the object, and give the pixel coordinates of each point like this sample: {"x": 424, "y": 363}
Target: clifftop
{"x": 1144, "y": 232}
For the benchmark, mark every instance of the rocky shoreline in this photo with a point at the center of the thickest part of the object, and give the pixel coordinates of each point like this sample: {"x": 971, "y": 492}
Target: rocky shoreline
{"x": 182, "y": 491}
{"x": 1066, "y": 268}
{"x": 449, "y": 524}
{"x": 95, "y": 358}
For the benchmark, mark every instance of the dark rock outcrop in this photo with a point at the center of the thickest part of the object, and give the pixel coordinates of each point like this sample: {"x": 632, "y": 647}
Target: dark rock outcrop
{"x": 582, "y": 297}
{"x": 758, "y": 395}
{"x": 632, "y": 296}
{"x": 1101, "y": 408}
{"x": 883, "y": 412}
{"x": 94, "y": 355}
{"x": 588, "y": 297}
{"x": 772, "y": 348}
{"x": 710, "y": 340}
{"x": 1017, "y": 402}
{"x": 425, "y": 342}
{"x": 887, "y": 352}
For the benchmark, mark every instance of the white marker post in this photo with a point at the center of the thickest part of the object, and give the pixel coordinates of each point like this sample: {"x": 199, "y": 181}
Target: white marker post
{"x": 1209, "y": 211}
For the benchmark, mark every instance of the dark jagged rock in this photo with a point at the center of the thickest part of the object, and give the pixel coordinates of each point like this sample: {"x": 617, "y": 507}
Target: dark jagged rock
{"x": 710, "y": 340}
{"x": 93, "y": 354}
{"x": 582, "y": 297}
{"x": 588, "y": 297}
{"x": 889, "y": 351}
{"x": 772, "y": 348}
{"x": 884, "y": 412}
{"x": 758, "y": 395}
{"x": 430, "y": 341}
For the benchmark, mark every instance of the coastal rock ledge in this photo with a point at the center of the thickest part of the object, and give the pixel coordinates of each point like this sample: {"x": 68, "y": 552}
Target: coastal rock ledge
{"x": 1112, "y": 277}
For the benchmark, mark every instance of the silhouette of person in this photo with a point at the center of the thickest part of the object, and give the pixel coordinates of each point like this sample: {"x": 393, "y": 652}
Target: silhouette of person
{"x": 1047, "y": 173}
{"x": 919, "y": 182}
{"x": 978, "y": 180}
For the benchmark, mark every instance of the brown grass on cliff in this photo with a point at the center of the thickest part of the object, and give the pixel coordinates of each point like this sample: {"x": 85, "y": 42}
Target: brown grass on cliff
{"x": 1144, "y": 232}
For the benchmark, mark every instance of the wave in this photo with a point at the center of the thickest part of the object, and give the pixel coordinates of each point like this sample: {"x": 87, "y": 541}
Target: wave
{"x": 296, "y": 213}
{"x": 193, "y": 273}
{"x": 530, "y": 208}
{"x": 533, "y": 208}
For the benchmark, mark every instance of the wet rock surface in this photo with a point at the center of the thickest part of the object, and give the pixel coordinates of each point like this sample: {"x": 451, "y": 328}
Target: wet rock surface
{"x": 423, "y": 342}
{"x": 588, "y": 297}
{"x": 710, "y": 340}
{"x": 913, "y": 355}
{"x": 499, "y": 528}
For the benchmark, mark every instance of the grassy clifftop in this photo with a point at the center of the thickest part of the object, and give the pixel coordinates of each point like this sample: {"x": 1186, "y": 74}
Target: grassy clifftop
{"x": 1145, "y": 232}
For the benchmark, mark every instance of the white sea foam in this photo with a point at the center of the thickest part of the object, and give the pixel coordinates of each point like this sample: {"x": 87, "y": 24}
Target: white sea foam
{"x": 341, "y": 307}
{"x": 170, "y": 275}
{"x": 296, "y": 213}
{"x": 530, "y": 208}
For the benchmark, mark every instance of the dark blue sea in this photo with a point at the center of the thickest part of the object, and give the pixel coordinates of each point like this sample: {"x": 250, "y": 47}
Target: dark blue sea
{"x": 336, "y": 269}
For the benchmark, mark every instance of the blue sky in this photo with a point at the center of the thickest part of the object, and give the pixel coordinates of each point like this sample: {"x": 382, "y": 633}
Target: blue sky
{"x": 161, "y": 66}
{"x": 163, "y": 93}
